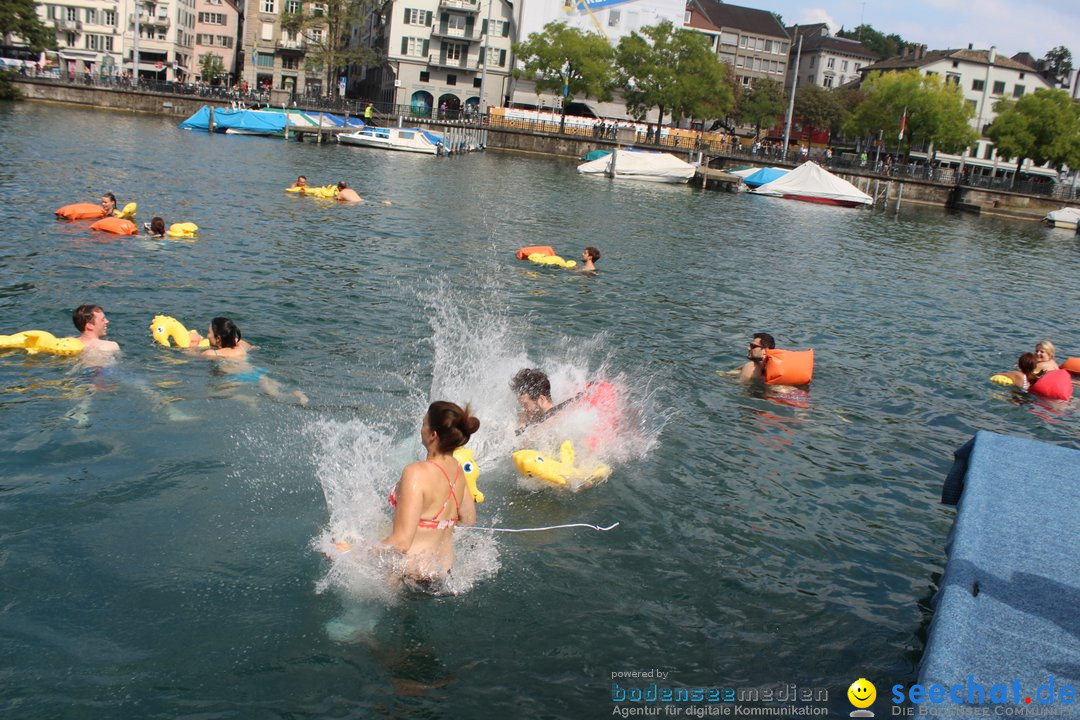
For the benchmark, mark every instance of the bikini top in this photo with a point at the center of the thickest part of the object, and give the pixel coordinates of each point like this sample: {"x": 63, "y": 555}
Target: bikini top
{"x": 435, "y": 523}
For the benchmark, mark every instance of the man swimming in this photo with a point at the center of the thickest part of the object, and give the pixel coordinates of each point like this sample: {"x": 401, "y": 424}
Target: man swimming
{"x": 533, "y": 390}
{"x": 92, "y": 325}
{"x": 754, "y": 368}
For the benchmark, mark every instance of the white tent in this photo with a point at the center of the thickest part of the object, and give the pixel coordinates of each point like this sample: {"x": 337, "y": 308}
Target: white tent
{"x": 640, "y": 165}
{"x": 813, "y": 183}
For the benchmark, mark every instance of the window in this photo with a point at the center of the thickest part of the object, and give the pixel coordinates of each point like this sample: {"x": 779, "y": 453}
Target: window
{"x": 1021, "y": 76}
{"x": 740, "y": 60}
{"x": 496, "y": 28}
{"x": 73, "y": 14}
{"x": 316, "y": 36}
{"x": 269, "y": 6}
{"x": 107, "y": 40}
{"x": 92, "y": 42}
{"x": 225, "y": 41}
{"x": 831, "y": 63}
{"x": 978, "y": 85}
{"x": 1018, "y": 91}
{"x": 417, "y": 17}
{"x": 293, "y": 6}
{"x": 952, "y": 79}
{"x": 50, "y": 12}
{"x": 502, "y": 58}
{"x": 613, "y": 18}
{"x": 454, "y": 51}
{"x": 757, "y": 64}
{"x": 264, "y": 60}
{"x": 267, "y": 31}
{"x": 783, "y": 48}
{"x": 999, "y": 87}
{"x": 414, "y": 47}
{"x": 210, "y": 18}
{"x": 290, "y": 63}
{"x": 456, "y": 22}
{"x": 425, "y": 76}
{"x": 742, "y": 41}
{"x": 318, "y": 9}
{"x": 827, "y": 82}
{"x": 451, "y": 79}
{"x": 858, "y": 67}
{"x": 813, "y": 59}
{"x": 761, "y": 44}
{"x": 988, "y": 152}
{"x": 843, "y": 66}
{"x": 71, "y": 37}
{"x": 686, "y": 17}
{"x": 729, "y": 38}
{"x": 476, "y": 82}
{"x": 91, "y": 16}
{"x": 956, "y": 63}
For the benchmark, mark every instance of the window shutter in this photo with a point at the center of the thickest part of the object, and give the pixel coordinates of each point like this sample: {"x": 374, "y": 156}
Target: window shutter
{"x": 470, "y": 23}
{"x": 430, "y": 18}
{"x": 404, "y": 46}
{"x": 483, "y": 28}
{"x": 406, "y": 16}
{"x": 425, "y": 48}
{"x": 444, "y": 18}
{"x": 502, "y": 58}
{"x": 481, "y": 61}
{"x": 506, "y": 28}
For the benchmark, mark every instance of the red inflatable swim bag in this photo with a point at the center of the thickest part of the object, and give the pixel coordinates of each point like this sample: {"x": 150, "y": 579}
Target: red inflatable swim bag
{"x": 81, "y": 211}
{"x": 525, "y": 252}
{"x": 116, "y": 226}
{"x": 1072, "y": 365}
{"x": 789, "y": 367}
{"x": 1054, "y": 385}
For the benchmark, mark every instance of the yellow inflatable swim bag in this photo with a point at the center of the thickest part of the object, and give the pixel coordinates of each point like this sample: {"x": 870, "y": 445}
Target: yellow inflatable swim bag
{"x": 465, "y": 457}
{"x": 1001, "y": 380}
{"x": 35, "y": 341}
{"x": 128, "y": 213}
{"x": 182, "y": 230}
{"x": 325, "y": 191}
{"x": 169, "y": 331}
{"x": 541, "y": 259}
{"x": 559, "y": 472}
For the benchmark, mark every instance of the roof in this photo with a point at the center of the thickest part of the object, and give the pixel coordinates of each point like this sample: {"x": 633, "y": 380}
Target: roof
{"x": 979, "y": 57}
{"x": 720, "y": 15}
{"x": 823, "y": 43}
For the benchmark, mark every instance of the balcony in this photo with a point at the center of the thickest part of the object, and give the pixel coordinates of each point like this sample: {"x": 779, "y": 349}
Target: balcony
{"x": 148, "y": 19}
{"x": 69, "y": 25}
{"x": 463, "y": 5}
{"x": 443, "y": 31}
{"x": 297, "y": 45}
{"x": 461, "y": 64}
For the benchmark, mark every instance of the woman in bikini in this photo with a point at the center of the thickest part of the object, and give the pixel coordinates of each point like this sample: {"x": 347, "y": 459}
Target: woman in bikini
{"x": 227, "y": 345}
{"x": 432, "y": 497}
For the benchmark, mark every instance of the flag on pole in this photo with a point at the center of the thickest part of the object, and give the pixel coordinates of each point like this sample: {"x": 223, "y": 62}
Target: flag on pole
{"x": 903, "y": 123}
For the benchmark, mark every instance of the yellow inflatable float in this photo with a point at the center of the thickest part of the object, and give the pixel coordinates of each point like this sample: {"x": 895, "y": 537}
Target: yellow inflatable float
{"x": 35, "y": 341}
{"x": 326, "y": 191}
{"x": 182, "y": 230}
{"x": 561, "y": 472}
{"x": 168, "y": 331}
{"x": 128, "y": 213}
{"x": 541, "y": 259}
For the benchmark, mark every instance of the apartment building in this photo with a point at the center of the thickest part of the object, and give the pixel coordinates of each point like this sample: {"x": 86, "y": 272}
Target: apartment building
{"x": 217, "y": 32}
{"x": 88, "y": 34}
{"x": 825, "y": 60}
{"x": 753, "y": 42}
{"x": 277, "y": 59}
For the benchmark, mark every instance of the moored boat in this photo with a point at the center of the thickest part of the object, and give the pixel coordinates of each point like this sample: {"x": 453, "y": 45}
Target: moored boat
{"x": 812, "y": 183}
{"x": 412, "y": 139}
{"x": 646, "y": 165}
{"x": 1067, "y": 218}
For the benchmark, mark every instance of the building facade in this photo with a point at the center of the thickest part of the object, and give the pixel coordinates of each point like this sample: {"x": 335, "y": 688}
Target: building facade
{"x": 166, "y": 39}
{"x": 217, "y": 32}
{"x": 88, "y": 34}
{"x": 824, "y": 60}
{"x": 753, "y": 42}
{"x": 276, "y": 60}
{"x": 442, "y": 57}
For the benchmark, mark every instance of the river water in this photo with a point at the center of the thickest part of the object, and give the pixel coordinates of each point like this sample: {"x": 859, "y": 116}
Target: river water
{"x": 161, "y": 524}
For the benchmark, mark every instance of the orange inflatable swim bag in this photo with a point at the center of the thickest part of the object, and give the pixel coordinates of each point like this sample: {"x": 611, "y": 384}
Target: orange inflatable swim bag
{"x": 1072, "y": 365}
{"x": 525, "y": 252}
{"x": 81, "y": 211}
{"x": 789, "y": 367}
{"x": 116, "y": 226}
{"x": 1054, "y": 385}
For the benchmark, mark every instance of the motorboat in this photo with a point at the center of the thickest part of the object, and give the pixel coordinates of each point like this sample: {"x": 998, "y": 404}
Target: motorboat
{"x": 812, "y": 183}
{"x": 412, "y": 139}
{"x": 1066, "y": 218}
{"x": 646, "y": 165}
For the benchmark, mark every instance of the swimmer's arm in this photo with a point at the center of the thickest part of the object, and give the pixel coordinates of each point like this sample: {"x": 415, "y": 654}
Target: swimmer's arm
{"x": 746, "y": 372}
{"x": 410, "y": 500}
{"x": 467, "y": 511}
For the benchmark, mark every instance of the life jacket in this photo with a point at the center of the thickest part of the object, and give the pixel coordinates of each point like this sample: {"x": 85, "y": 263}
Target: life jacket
{"x": 525, "y": 252}
{"x": 789, "y": 367}
{"x": 116, "y": 226}
{"x": 81, "y": 211}
{"x": 1054, "y": 385}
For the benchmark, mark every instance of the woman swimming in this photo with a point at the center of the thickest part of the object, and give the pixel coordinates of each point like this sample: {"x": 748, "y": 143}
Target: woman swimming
{"x": 1025, "y": 374}
{"x": 226, "y": 344}
{"x": 1045, "y": 357}
{"x": 432, "y": 497}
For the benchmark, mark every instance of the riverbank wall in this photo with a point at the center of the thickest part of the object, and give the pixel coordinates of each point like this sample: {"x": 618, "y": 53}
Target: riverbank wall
{"x": 888, "y": 192}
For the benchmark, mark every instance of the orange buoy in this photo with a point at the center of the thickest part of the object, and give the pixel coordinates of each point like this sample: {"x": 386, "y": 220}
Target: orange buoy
{"x": 1072, "y": 365}
{"x": 116, "y": 226}
{"x": 525, "y": 252}
{"x": 789, "y": 367}
{"x": 81, "y": 211}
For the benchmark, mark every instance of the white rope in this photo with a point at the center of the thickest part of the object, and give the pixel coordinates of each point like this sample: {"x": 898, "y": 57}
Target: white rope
{"x": 538, "y": 529}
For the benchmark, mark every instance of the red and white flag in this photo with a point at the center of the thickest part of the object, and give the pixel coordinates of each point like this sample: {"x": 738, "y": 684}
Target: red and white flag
{"x": 903, "y": 124}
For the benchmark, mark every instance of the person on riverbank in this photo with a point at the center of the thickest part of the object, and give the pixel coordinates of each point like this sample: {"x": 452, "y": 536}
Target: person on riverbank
{"x": 347, "y": 194}
{"x": 432, "y": 497}
{"x": 92, "y": 325}
{"x": 589, "y": 256}
{"x": 369, "y": 115}
{"x": 155, "y": 228}
{"x": 1045, "y": 356}
{"x": 754, "y": 367}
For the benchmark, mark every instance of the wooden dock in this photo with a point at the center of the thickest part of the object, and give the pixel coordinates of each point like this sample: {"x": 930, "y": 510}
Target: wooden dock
{"x": 710, "y": 177}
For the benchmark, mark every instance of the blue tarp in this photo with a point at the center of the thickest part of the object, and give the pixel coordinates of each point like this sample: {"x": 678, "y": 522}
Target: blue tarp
{"x": 225, "y": 119}
{"x": 764, "y": 175}
{"x": 1008, "y": 609}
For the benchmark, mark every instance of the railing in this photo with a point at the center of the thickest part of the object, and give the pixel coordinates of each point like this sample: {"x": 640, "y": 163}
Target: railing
{"x": 459, "y": 64}
{"x": 148, "y": 19}
{"x": 443, "y": 31}
{"x": 284, "y": 44}
{"x": 466, "y": 5}
{"x": 69, "y": 25}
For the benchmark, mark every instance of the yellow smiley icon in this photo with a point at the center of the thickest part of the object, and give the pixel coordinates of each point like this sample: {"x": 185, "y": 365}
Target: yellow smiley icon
{"x": 862, "y": 693}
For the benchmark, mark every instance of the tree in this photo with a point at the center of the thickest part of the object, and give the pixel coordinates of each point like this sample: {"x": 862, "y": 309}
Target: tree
{"x": 936, "y": 113}
{"x": 211, "y": 67}
{"x": 884, "y": 46}
{"x": 569, "y": 62}
{"x": 703, "y": 84}
{"x": 1043, "y": 126}
{"x": 762, "y": 104}
{"x": 326, "y": 34}
{"x": 1058, "y": 64}
{"x": 19, "y": 17}
{"x": 646, "y": 70}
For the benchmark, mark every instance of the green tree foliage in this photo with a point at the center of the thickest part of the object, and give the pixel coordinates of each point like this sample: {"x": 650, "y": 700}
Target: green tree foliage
{"x": 1043, "y": 126}
{"x": 703, "y": 86}
{"x": 763, "y": 104}
{"x": 326, "y": 33}
{"x": 211, "y": 67}
{"x": 1059, "y": 64}
{"x": 882, "y": 45}
{"x": 820, "y": 108}
{"x": 561, "y": 57}
{"x": 8, "y": 91}
{"x": 936, "y": 111}
{"x": 646, "y": 70}
{"x": 20, "y": 17}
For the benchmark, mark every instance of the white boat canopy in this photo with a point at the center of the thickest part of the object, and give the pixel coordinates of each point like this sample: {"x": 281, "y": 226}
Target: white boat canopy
{"x": 811, "y": 181}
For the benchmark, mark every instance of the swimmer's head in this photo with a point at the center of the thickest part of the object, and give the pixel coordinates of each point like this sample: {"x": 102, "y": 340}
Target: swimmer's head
{"x": 1046, "y": 347}
{"x": 1027, "y": 363}
{"x": 157, "y": 226}
{"x": 108, "y": 202}
{"x": 341, "y": 185}
{"x": 451, "y": 424}
{"x": 85, "y": 315}
{"x": 224, "y": 333}
{"x": 533, "y": 390}
{"x": 591, "y": 253}
{"x": 301, "y": 180}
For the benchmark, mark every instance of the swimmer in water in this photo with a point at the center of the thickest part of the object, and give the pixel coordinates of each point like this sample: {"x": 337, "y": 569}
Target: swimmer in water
{"x": 92, "y": 325}
{"x": 301, "y": 182}
{"x": 754, "y": 368}
{"x": 1026, "y": 372}
{"x": 155, "y": 228}
{"x": 1045, "y": 356}
{"x": 347, "y": 194}
{"x": 589, "y": 256}
{"x": 227, "y": 345}
{"x": 432, "y": 496}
